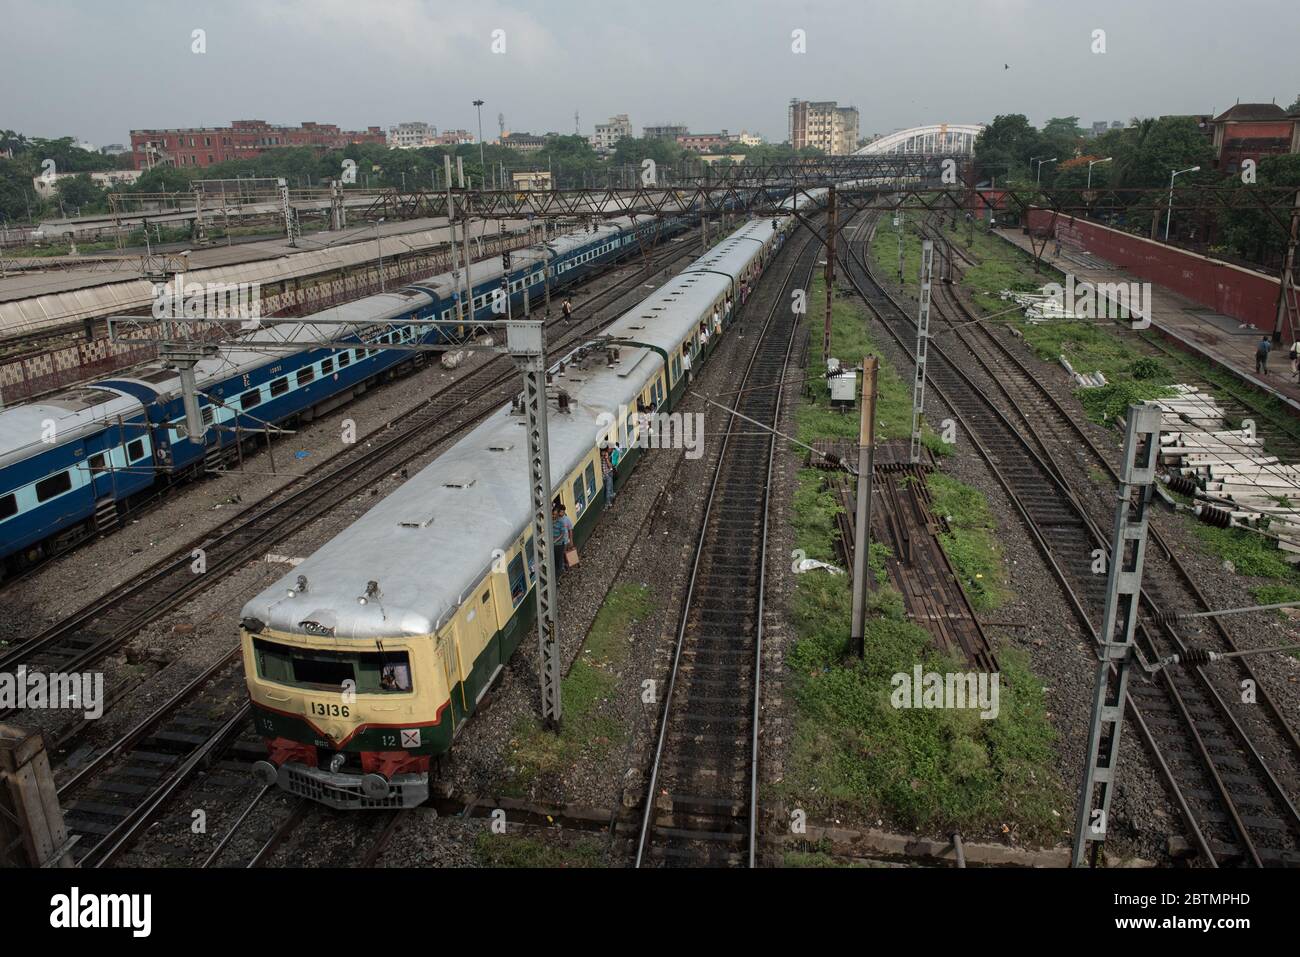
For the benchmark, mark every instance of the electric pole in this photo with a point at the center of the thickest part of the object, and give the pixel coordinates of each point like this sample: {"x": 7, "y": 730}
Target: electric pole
{"x": 830, "y": 273}
{"x": 862, "y": 527}
{"x": 1118, "y": 624}
{"x": 922, "y": 348}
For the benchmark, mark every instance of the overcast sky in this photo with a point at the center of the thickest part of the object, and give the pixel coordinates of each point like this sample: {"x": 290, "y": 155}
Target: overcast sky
{"x": 97, "y": 69}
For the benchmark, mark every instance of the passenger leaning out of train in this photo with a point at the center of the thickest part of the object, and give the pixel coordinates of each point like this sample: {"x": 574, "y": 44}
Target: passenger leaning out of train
{"x": 607, "y": 471}
{"x": 727, "y": 309}
{"x": 561, "y": 535}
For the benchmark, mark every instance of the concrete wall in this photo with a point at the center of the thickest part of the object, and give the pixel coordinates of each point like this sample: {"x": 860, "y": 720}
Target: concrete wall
{"x": 1247, "y": 296}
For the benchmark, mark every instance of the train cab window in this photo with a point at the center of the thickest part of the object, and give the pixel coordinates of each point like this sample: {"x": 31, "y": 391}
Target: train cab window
{"x": 579, "y": 495}
{"x": 518, "y": 587}
{"x": 135, "y": 451}
{"x": 8, "y": 506}
{"x": 98, "y": 464}
{"x": 344, "y": 359}
{"x": 591, "y": 480}
{"x": 306, "y": 374}
{"x": 251, "y": 398}
{"x": 48, "y": 488}
{"x": 386, "y": 672}
{"x": 279, "y": 387}
{"x": 326, "y": 366}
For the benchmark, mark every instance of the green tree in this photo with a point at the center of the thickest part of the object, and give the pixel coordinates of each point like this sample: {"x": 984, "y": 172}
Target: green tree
{"x": 81, "y": 192}
{"x": 1252, "y": 233}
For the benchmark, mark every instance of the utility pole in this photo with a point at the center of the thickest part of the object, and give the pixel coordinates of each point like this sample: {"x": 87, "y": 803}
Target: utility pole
{"x": 1119, "y": 621}
{"x": 862, "y": 527}
{"x": 1287, "y": 305}
{"x": 527, "y": 345}
{"x": 464, "y": 238}
{"x": 830, "y": 273}
{"x": 451, "y": 236}
{"x": 900, "y": 242}
{"x": 285, "y": 209}
{"x": 922, "y": 348}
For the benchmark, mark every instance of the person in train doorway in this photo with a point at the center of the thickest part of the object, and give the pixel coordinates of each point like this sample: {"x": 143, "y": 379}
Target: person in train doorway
{"x": 567, "y": 310}
{"x": 561, "y": 535}
{"x": 607, "y": 471}
{"x": 1262, "y": 349}
{"x": 1295, "y": 360}
{"x": 686, "y": 362}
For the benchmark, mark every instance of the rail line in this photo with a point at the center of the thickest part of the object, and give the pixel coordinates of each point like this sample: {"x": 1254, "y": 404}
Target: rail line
{"x": 86, "y": 635}
{"x": 701, "y": 804}
{"x": 1234, "y": 797}
{"x": 118, "y": 794}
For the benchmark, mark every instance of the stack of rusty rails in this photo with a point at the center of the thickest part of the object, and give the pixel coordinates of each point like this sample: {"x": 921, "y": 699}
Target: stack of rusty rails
{"x": 918, "y": 567}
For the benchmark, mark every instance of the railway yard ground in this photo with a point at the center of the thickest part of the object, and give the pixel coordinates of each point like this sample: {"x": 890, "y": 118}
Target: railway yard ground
{"x": 715, "y": 711}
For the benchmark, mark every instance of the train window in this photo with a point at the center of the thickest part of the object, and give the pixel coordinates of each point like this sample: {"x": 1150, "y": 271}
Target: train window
{"x": 387, "y": 672}
{"x": 579, "y": 496}
{"x": 326, "y": 366}
{"x": 279, "y": 387}
{"x": 532, "y": 561}
{"x": 208, "y": 414}
{"x": 48, "y": 488}
{"x": 518, "y": 587}
{"x": 306, "y": 374}
{"x": 345, "y": 358}
{"x": 8, "y": 506}
{"x": 591, "y": 479}
{"x": 135, "y": 451}
{"x": 251, "y": 398}
{"x": 98, "y": 463}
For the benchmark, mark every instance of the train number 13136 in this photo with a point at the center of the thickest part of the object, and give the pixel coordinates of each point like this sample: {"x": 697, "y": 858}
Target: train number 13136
{"x": 330, "y": 710}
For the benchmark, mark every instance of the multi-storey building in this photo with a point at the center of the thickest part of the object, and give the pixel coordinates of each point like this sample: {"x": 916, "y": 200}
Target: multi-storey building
{"x": 454, "y": 138}
{"x": 664, "y": 131}
{"x": 704, "y": 142}
{"x": 523, "y": 142}
{"x": 608, "y": 134}
{"x": 1253, "y": 131}
{"x": 405, "y": 136}
{"x": 242, "y": 139}
{"x": 823, "y": 124}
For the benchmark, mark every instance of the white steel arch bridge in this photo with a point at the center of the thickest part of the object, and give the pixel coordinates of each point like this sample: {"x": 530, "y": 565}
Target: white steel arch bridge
{"x": 948, "y": 138}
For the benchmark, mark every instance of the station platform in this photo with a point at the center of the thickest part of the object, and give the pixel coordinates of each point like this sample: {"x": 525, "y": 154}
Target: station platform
{"x": 1221, "y": 340}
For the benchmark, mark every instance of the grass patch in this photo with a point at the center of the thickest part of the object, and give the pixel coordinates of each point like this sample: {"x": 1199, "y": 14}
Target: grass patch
{"x": 540, "y": 753}
{"x": 853, "y": 751}
{"x": 508, "y": 850}
{"x": 851, "y": 340}
{"x": 972, "y": 542}
{"x": 1250, "y": 554}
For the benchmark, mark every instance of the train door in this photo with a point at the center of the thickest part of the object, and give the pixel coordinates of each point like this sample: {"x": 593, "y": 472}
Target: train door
{"x": 479, "y": 648}
{"x": 447, "y": 656}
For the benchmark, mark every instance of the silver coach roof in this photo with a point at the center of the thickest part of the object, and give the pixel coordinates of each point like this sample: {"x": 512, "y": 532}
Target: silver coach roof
{"x": 474, "y": 497}
{"x": 74, "y": 413}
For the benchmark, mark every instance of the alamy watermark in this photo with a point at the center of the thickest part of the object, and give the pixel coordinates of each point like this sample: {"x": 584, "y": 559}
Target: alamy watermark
{"x": 209, "y": 300}
{"x": 1102, "y": 300}
{"x": 950, "y": 690}
{"x": 654, "y": 430}
{"x": 29, "y": 690}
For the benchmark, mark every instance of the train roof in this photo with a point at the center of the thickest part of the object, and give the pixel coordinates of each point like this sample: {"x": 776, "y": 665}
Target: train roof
{"x": 474, "y": 497}
{"x": 75, "y": 413}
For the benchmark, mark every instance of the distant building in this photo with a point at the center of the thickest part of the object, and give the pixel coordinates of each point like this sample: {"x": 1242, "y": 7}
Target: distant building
{"x": 242, "y": 139}
{"x": 1253, "y": 131}
{"x": 114, "y": 149}
{"x": 823, "y": 124}
{"x": 607, "y": 135}
{"x": 523, "y": 142}
{"x": 453, "y": 138}
{"x": 532, "y": 179}
{"x": 745, "y": 138}
{"x": 666, "y": 131}
{"x": 406, "y": 136}
{"x": 1099, "y": 128}
{"x": 704, "y": 142}
{"x": 45, "y": 186}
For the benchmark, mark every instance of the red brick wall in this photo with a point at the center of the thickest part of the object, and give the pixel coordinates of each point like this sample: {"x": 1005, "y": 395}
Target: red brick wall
{"x": 1245, "y": 295}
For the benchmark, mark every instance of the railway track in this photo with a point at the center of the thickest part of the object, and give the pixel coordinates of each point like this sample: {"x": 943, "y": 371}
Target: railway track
{"x": 1231, "y": 767}
{"x": 454, "y": 396}
{"x": 84, "y": 637}
{"x": 114, "y": 798}
{"x": 701, "y": 805}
